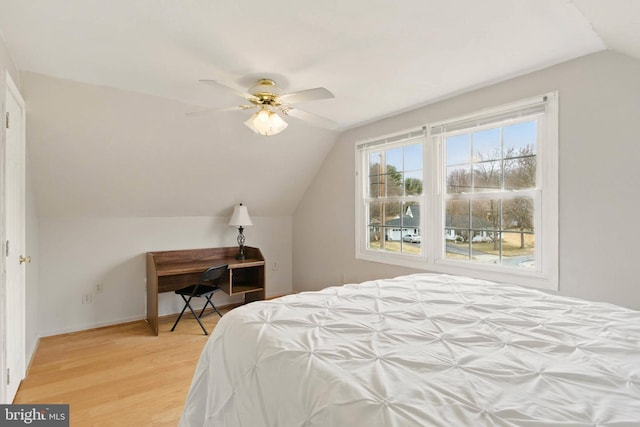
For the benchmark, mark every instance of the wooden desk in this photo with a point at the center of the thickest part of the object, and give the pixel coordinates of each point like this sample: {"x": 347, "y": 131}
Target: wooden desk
{"x": 171, "y": 270}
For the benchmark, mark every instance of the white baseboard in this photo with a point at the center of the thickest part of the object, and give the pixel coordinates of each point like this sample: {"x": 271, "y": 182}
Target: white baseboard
{"x": 31, "y": 355}
{"x": 78, "y": 328}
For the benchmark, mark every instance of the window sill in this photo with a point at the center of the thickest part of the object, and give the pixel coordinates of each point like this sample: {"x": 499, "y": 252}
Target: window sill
{"x": 514, "y": 275}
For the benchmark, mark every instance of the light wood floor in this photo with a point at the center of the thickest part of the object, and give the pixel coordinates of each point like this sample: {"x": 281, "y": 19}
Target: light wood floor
{"x": 118, "y": 375}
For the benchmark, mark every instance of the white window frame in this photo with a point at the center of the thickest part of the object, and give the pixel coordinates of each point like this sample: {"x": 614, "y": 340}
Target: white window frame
{"x": 394, "y": 141}
{"x": 546, "y": 272}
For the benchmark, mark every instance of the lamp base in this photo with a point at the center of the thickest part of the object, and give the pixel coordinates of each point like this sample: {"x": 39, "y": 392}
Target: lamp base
{"x": 241, "y": 255}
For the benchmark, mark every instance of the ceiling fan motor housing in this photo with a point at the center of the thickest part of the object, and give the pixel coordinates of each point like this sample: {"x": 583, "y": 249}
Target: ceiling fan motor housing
{"x": 266, "y": 93}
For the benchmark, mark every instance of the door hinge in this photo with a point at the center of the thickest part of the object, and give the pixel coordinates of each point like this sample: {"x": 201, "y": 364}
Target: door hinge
{"x": 6, "y": 248}
{"x": 8, "y": 376}
{"x": 7, "y": 120}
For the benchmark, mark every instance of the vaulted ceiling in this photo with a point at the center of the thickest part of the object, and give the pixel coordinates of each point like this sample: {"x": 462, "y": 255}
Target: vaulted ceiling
{"x": 379, "y": 58}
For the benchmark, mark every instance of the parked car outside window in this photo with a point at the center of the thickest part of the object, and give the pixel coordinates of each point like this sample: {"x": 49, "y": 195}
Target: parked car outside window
{"x": 412, "y": 238}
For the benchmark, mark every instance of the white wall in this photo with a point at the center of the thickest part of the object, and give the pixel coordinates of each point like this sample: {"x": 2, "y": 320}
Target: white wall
{"x": 117, "y": 174}
{"x": 104, "y": 152}
{"x": 599, "y": 178}
{"x": 78, "y": 253}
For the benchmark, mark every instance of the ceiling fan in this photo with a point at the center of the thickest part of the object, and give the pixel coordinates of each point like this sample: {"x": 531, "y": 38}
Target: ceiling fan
{"x": 270, "y": 100}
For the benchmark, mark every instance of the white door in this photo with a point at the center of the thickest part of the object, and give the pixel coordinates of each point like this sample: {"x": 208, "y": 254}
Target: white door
{"x": 14, "y": 245}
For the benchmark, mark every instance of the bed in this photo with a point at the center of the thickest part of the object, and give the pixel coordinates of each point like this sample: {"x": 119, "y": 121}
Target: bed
{"x": 420, "y": 350}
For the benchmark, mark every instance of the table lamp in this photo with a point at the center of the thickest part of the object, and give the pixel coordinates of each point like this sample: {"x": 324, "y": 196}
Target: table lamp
{"x": 240, "y": 218}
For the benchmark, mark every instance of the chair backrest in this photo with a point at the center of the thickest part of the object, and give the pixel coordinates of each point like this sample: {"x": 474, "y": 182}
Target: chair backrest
{"x": 213, "y": 274}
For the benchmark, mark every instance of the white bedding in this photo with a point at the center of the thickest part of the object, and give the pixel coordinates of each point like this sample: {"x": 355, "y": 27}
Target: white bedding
{"x": 420, "y": 350}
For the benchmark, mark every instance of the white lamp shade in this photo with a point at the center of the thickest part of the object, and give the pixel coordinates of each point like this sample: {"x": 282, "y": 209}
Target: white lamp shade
{"x": 266, "y": 122}
{"x": 240, "y": 216}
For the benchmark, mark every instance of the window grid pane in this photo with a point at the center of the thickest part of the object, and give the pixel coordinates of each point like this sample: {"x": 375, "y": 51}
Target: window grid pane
{"x": 395, "y": 181}
{"x": 483, "y": 224}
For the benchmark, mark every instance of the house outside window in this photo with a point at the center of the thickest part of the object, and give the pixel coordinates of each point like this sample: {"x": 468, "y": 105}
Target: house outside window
{"x": 475, "y": 195}
{"x": 394, "y": 195}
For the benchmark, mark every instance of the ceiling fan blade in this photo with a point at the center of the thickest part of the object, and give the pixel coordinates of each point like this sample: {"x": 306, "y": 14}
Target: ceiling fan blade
{"x": 313, "y": 119}
{"x": 224, "y": 86}
{"x": 306, "y": 95}
{"x": 219, "y": 110}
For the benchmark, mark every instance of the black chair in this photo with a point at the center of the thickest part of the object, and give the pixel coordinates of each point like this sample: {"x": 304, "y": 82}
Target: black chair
{"x": 206, "y": 287}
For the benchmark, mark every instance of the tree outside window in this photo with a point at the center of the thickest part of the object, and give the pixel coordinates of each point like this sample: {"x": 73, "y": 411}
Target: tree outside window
{"x": 395, "y": 186}
{"x": 489, "y": 209}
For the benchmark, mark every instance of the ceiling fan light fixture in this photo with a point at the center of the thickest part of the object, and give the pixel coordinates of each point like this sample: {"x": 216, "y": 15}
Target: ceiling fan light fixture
{"x": 266, "y": 122}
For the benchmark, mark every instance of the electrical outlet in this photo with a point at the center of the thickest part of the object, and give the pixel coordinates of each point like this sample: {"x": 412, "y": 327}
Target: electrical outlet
{"x": 87, "y": 298}
{"x": 274, "y": 265}
{"x": 99, "y": 288}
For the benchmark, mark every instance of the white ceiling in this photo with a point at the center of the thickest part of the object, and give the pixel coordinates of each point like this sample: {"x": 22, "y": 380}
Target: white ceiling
{"x": 377, "y": 56}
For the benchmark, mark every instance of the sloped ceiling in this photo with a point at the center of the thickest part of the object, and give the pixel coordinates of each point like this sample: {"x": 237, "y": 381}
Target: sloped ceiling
{"x": 130, "y": 69}
{"x": 616, "y": 22}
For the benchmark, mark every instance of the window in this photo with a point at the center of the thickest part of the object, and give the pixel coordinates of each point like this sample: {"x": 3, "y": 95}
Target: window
{"x": 394, "y": 199}
{"x": 475, "y": 195}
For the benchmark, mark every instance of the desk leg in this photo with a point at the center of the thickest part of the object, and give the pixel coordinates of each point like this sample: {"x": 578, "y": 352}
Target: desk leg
{"x": 152, "y": 295}
{"x": 254, "y": 296}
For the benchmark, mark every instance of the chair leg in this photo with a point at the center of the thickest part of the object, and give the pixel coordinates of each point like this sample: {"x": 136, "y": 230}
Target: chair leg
{"x": 188, "y": 305}
{"x": 198, "y": 319}
{"x": 216, "y": 309}
{"x": 205, "y": 306}
{"x": 209, "y": 302}
{"x": 182, "y": 312}
{"x": 212, "y": 305}
{"x": 202, "y": 326}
